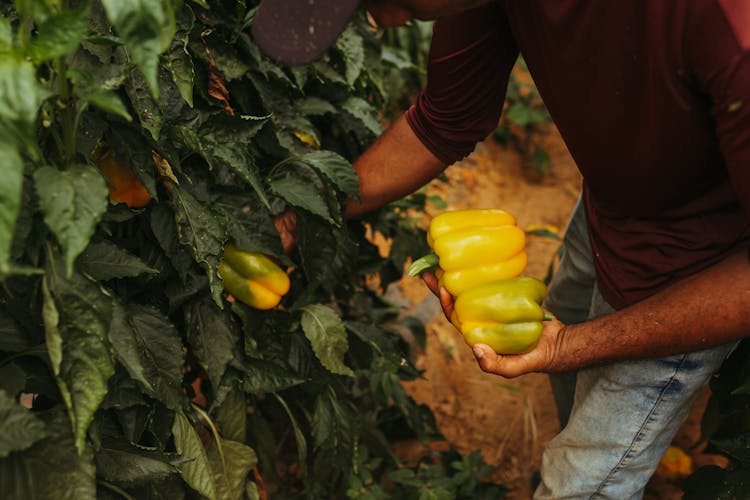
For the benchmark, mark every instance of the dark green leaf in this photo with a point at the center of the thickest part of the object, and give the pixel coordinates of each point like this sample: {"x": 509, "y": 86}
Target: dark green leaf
{"x": 130, "y": 465}
{"x": 336, "y": 168}
{"x": 104, "y": 261}
{"x": 197, "y": 472}
{"x": 51, "y": 468}
{"x": 263, "y": 377}
{"x": 149, "y": 347}
{"x": 232, "y": 416}
{"x": 76, "y": 320}
{"x": 19, "y": 428}
{"x": 314, "y": 106}
{"x": 301, "y": 189}
{"x": 146, "y": 27}
{"x": 364, "y": 112}
{"x": 12, "y": 337}
{"x": 237, "y": 158}
{"x": 72, "y": 201}
{"x": 230, "y": 469}
{"x": 201, "y": 231}
{"x": 326, "y": 332}
{"x": 108, "y": 101}
{"x": 210, "y": 336}
{"x": 149, "y": 108}
{"x": 349, "y": 43}
{"x": 178, "y": 61}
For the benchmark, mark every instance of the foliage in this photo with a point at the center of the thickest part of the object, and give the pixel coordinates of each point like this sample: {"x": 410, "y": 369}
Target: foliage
{"x": 726, "y": 423}
{"x": 147, "y": 381}
{"x": 524, "y": 119}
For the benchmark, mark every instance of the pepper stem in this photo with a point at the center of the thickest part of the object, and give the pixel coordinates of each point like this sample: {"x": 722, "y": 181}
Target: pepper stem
{"x": 422, "y": 264}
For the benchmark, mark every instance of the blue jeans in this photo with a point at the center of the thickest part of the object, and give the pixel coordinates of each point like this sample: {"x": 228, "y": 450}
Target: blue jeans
{"x": 623, "y": 415}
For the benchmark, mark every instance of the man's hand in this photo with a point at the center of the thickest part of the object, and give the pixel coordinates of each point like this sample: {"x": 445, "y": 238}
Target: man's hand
{"x": 539, "y": 359}
{"x": 506, "y": 365}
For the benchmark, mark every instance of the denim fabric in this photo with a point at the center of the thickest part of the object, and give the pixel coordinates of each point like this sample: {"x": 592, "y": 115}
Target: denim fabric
{"x": 624, "y": 415}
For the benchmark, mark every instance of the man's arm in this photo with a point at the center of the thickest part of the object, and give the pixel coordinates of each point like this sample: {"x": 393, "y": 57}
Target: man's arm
{"x": 396, "y": 165}
{"x": 706, "y": 310}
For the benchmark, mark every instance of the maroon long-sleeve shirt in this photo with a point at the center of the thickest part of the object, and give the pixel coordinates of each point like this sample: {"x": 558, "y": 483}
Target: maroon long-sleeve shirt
{"x": 652, "y": 98}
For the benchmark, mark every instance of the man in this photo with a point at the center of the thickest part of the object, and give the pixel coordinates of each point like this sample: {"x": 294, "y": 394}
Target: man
{"x": 653, "y": 101}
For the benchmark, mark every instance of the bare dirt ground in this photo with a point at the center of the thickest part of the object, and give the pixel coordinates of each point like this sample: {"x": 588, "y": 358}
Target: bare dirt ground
{"x": 510, "y": 421}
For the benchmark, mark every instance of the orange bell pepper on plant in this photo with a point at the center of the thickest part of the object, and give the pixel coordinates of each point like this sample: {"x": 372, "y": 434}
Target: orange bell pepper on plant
{"x": 122, "y": 183}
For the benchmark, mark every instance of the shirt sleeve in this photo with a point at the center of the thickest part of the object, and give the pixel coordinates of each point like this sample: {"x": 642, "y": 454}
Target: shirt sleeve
{"x": 470, "y": 59}
{"x": 719, "y": 40}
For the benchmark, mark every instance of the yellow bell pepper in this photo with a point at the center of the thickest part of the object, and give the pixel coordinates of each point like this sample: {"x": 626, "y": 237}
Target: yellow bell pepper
{"x": 506, "y": 314}
{"x": 253, "y": 278}
{"x": 473, "y": 247}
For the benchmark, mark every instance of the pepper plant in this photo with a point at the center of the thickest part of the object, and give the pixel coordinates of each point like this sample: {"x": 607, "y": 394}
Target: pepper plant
{"x": 138, "y": 138}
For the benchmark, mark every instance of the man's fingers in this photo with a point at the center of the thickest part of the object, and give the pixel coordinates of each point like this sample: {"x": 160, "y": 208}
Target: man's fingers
{"x": 509, "y": 366}
{"x": 432, "y": 282}
{"x": 446, "y": 301}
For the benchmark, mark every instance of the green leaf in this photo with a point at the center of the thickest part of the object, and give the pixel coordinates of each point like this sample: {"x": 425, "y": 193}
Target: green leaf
{"x": 20, "y": 97}
{"x": 10, "y": 199}
{"x": 131, "y": 465}
{"x": 301, "y": 189}
{"x": 350, "y": 44}
{"x": 108, "y": 101}
{"x": 204, "y": 233}
{"x": 84, "y": 313}
{"x": 19, "y": 428}
{"x": 210, "y": 336}
{"x": 51, "y": 468}
{"x": 150, "y": 110}
{"x": 263, "y": 377}
{"x": 58, "y": 35}
{"x": 230, "y": 470}
{"x": 73, "y": 201}
{"x": 325, "y": 331}
{"x": 237, "y": 158}
{"x": 314, "y": 106}
{"x": 178, "y": 61}
{"x": 103, "y": 260}
{"x": 364, "y": 112}
{"x": 336, "y": 168}
{"x": 146, "y": 27}
{"x": 149, "y": 347}
{"x": 197, "y": 472}
{"x": 232, "y": 416}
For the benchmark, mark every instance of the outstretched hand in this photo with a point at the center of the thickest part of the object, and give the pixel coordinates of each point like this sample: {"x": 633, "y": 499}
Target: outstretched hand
{"x": 539, "y": 359}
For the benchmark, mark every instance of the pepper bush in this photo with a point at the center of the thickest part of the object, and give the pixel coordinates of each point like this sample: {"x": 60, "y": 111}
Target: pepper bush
{"x": 125, "y": 371}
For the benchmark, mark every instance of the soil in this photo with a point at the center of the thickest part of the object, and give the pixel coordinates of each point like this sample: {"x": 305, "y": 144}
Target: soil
{"x": 510, "y": 421}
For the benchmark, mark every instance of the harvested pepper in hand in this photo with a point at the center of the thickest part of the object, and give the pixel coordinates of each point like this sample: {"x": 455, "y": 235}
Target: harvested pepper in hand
{"x": 506, "y": 315}
{"x": 473, "y": 247}
{"x": 253, "y": 278}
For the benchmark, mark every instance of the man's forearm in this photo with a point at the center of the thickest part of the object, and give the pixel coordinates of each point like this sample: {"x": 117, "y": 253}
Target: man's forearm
{"x": 703, "y": 311}
{"x": 396, "y": 165}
